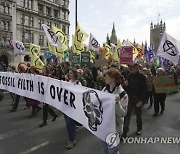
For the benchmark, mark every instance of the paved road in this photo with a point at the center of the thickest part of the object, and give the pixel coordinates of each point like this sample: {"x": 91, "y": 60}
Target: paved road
{"x": 21, "y": 135}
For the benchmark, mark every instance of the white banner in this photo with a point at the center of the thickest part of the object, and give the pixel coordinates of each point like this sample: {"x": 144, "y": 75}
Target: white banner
{"x": 94, "y": 109}
{"x": 169, "y": 48}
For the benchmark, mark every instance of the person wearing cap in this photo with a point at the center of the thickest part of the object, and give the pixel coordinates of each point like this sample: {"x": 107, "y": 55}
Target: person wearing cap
{"x": 136, "y": 88}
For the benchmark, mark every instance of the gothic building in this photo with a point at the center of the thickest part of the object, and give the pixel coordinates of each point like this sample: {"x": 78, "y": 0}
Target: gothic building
{"x": 99, "y": 58}
{"x": 156, "y": 31}
{"x": 113, "y": 37}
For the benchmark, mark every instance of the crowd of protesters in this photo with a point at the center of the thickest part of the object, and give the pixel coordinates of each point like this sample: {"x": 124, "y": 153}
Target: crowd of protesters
{"x": 135, "y": 82}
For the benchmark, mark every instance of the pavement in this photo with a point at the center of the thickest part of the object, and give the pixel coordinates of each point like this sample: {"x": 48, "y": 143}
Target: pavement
{"x": 22, "y": 135}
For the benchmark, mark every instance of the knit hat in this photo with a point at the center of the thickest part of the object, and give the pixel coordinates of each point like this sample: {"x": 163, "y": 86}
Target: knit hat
{"x": 21, "y": 68}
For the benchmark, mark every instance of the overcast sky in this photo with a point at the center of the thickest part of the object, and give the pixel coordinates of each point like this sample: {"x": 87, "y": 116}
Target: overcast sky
{"x": 132, "y": 18}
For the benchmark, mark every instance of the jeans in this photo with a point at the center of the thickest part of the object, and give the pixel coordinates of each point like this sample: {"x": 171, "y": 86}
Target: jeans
{"x": 70, "y": 126}
{"x": 16, "y": 102}
{"x": 138, "y": 111}
{"x": 107, "y": 150}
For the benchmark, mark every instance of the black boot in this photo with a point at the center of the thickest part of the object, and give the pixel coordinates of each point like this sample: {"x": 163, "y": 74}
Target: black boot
{"x": 44, "y": 123}
{"x": 54, "y": 117}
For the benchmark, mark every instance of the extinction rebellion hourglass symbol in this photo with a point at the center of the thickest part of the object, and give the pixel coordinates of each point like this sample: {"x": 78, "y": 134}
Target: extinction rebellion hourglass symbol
{"x": 169, "y": 48}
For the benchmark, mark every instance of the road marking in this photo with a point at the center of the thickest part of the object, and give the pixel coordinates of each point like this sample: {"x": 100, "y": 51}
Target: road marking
{"x": 22, "y": 130}
{"x": 15, "y": 132}
{"x": 35, "y": 148}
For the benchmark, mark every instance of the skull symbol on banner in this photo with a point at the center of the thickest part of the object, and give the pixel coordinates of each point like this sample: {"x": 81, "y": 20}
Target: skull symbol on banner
{"x": 92, "y": 109}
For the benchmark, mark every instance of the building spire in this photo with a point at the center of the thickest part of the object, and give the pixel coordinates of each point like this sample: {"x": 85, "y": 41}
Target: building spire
{"x": 107, "y": 39}
{"x": 113, "y": 38}
{"x": 151, "y": 26}
{"x": 113, "y": 30}
{"x": 134, "y": 43}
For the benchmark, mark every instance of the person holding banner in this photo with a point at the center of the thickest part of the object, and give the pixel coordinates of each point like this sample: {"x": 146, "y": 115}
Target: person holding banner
{"x": 32, "y": 102}
{"x": 114, "y": 79}
{"x": 70, "y": 123}
{"x": 21, "y": 69}
{"x": 12, "y": 69}
{"x": 159, "y": 98}
{"x": 46, "y": 108}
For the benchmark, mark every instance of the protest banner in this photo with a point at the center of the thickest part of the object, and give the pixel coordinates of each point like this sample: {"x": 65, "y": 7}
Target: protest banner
{"x": 94, "y": 109}
{"x": 85, "y": 59}
{"x": 126, "y": 55}
{"x": 165, "y": 84}
{"x": 76, "y": 60}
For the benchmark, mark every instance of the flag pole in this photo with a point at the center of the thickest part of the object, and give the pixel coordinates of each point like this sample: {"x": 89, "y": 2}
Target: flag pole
{"x": 158, "y": 16}
{"x": 76, "y": 15}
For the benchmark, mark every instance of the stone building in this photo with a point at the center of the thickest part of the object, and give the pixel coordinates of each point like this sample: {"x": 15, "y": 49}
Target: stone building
{"x": 22, "y": 20}
{"x": 156, "y": 31}
{"x": 113, "y": 37}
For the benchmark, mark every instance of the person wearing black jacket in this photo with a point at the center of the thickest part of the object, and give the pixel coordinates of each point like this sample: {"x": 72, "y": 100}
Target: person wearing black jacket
{"x": 136, "y": 88}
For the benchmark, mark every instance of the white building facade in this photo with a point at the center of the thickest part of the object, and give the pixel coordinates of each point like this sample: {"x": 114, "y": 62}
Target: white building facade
{"x": 25, "y": 18}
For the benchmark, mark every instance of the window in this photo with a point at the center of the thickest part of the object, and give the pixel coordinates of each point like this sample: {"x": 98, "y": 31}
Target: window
{"x": 40, "y": 23}
{"x": 64, "y": 14}
{"x": 3, "y": 41}
{"x": 56, "y": 13}
{"x": 27, "y": 20}
{"x": 7, "y": 26}
{"x": 40, "y": 8}
{"x": 5, "y": 8}
{"x": 27, "y": 37}
{"x": 64, "y": 29}
{"x": 63, "y": 2}
{"x": 41, "y": 40}
{"x": 48, "y": 11}
{"x": 30, "y": 4}
{"x": 68, "y": 30}
{"x": 2, "y": 24}
{"x": 57, "y": 25}
{"x": 27, "y": 3}
{"x": 31, "y": 21}
{"x": 22, "y": 19}
{"x": 1, "y": 8}
{"x": 49, "y": 23}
